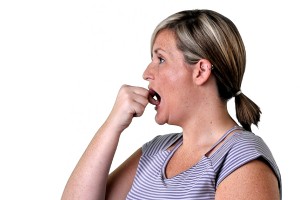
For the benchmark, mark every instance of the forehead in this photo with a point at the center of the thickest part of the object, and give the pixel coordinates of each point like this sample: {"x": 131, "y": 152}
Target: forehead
{"x": 165, "y": 40}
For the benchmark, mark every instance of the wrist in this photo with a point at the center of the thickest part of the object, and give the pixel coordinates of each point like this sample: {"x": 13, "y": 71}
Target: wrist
{"x": 113, "y": 126}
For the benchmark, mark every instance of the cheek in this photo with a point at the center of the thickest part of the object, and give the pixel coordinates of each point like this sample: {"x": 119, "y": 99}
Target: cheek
{"x": 174, "y": 76}
{"x": 175, "y": 84}
{"x": 179, "y": 82}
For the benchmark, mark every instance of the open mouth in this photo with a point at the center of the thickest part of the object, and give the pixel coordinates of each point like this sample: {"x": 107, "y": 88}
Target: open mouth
{"x": 154, "y": 97}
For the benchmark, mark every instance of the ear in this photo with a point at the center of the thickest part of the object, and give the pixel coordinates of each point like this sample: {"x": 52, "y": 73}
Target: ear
{"x": 202, "y": 71}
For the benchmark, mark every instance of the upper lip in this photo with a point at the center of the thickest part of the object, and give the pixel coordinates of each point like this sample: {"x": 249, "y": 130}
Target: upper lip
{"x": 152, "y": 94}
{"x": 151, "y": 90}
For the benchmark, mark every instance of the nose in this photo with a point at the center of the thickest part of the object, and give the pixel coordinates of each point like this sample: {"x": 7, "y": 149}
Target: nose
{"x": 148, "y": 73}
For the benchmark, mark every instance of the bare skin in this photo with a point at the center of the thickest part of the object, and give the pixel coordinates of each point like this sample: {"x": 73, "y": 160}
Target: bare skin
{"x": 90, "y": 176}
{"x": 255, "y": 180}
{"x": 203, "y": 118}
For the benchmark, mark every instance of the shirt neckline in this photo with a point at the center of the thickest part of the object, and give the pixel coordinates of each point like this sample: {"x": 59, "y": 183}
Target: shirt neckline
{"x": 179, "y": 143}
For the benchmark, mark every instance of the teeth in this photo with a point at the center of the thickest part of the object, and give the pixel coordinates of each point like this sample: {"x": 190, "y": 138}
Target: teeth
{"x": 154, "y": 97}
{"x": 152, "y": 93}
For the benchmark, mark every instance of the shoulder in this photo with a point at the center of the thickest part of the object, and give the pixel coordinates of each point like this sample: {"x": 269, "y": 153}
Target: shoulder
{"x": 254, "y": 180}
{"x": 247, "y": 146}
{"x": 242, "y": 148}
{"x": 160, "y": 143}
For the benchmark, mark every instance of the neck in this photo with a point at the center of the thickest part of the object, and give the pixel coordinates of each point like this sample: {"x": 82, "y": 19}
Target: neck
{"x": 203, "y": 130}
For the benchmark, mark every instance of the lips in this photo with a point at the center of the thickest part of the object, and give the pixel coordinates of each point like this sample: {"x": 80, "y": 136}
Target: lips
{"x": 154, "y": 98}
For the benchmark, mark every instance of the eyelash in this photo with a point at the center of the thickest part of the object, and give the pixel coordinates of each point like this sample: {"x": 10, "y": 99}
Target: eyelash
{"x": 161, "y": 60}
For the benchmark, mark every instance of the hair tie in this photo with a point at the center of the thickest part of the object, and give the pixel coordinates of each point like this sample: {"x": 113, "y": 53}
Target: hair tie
{"x": 238, "y": 93}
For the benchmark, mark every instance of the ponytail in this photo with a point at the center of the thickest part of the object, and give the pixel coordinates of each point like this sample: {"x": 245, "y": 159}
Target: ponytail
{"x": 247, "y": 112}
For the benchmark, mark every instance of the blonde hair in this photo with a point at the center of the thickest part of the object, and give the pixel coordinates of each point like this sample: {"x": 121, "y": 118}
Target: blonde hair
{"x": 210, "y": 35}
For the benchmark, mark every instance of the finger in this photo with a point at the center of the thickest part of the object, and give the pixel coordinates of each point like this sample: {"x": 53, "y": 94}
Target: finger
{"x": 141, "y": 91}
{"x": 138, "y": 109}
{"x": 140, "y": 99}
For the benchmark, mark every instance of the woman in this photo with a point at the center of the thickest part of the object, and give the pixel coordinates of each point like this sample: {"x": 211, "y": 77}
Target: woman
{"x": 198, "y": 62}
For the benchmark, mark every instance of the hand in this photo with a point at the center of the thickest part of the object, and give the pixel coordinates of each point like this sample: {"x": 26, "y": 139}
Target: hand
{"x": 131, "y": 102}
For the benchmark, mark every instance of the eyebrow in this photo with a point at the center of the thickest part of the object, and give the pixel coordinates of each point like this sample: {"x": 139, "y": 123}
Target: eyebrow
{"x": 156, "y": 50}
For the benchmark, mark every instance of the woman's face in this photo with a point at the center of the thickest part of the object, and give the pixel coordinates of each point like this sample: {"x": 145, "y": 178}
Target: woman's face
{"x": 170, "y": 80}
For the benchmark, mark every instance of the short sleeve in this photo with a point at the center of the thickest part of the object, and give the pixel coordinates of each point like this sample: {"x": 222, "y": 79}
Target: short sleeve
{"x": 246, "y": 148}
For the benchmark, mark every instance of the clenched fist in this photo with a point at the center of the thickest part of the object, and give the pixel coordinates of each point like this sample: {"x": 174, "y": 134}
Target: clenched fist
{"x": 131, "y": 102}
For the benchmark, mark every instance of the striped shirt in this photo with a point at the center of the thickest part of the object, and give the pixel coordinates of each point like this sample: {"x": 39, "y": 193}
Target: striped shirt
{"x": 201, "y": 180}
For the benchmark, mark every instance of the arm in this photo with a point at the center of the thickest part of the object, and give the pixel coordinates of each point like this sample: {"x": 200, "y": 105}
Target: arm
{"x": 254, "y": 180}
{"x": 89, "y": 178}
{"x": 121, "y": 179}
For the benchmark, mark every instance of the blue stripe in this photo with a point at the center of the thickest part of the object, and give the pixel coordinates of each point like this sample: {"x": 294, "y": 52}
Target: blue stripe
{"x": 201, "y": 180}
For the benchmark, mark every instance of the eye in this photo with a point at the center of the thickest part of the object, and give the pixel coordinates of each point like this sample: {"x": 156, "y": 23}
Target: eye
{"x": 161, "y": 60}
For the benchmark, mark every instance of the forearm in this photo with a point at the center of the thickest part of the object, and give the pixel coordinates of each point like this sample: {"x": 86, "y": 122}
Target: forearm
{"x": 88, "y": 180}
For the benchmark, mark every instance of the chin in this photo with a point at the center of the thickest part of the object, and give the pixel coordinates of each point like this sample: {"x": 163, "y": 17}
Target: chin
{"x": 159, "y": 121}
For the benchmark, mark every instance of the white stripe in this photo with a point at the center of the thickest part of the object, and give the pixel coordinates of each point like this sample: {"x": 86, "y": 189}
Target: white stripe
{"x": 201, "y": 180}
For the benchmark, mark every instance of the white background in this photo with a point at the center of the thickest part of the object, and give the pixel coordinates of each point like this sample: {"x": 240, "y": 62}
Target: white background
{"x": 62, "y": 63}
